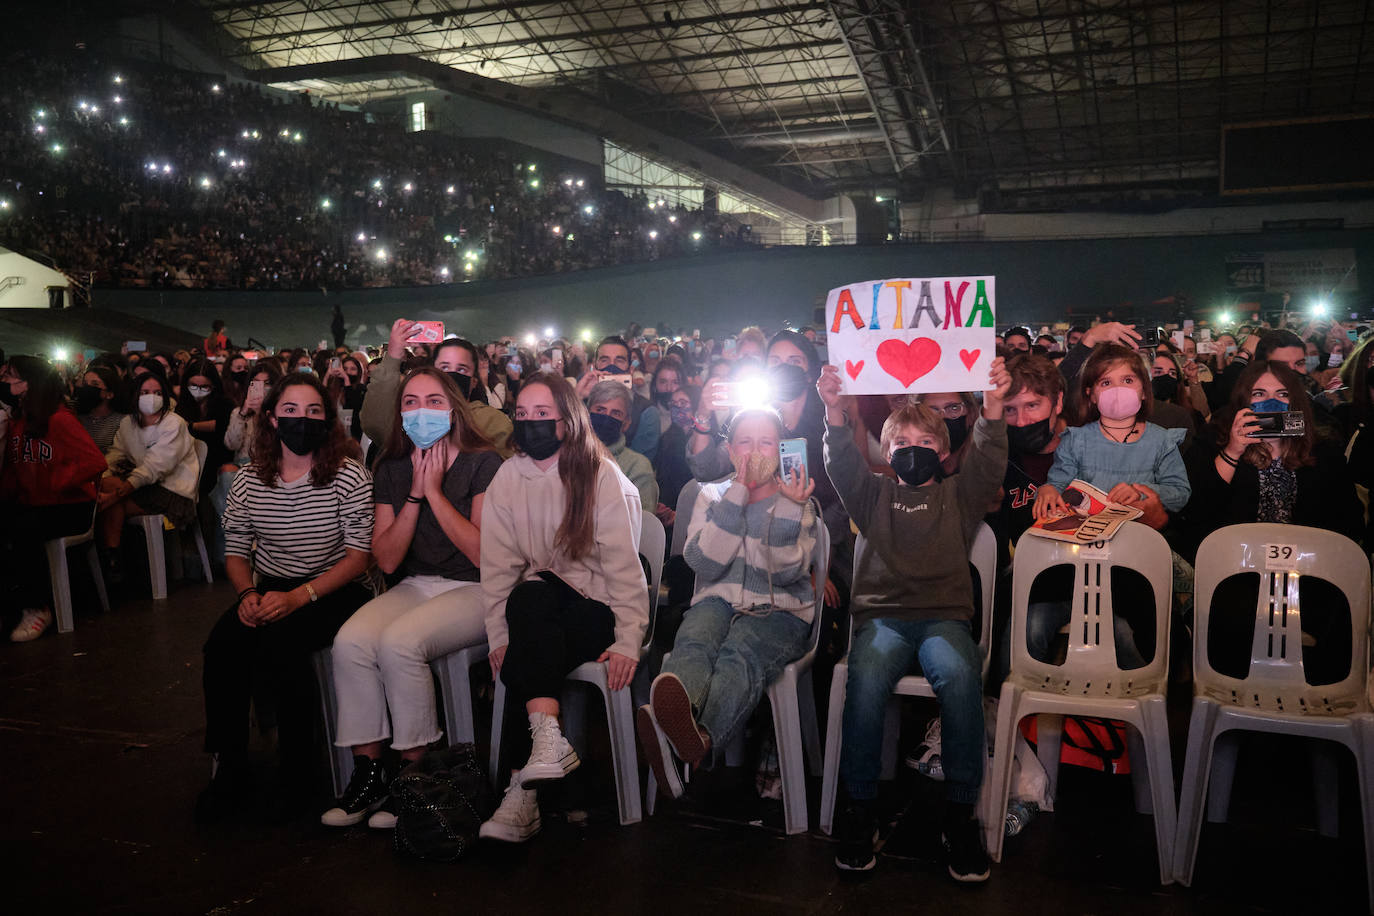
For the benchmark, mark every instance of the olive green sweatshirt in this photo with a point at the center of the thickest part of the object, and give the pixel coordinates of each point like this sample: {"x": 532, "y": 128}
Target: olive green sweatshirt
{"x": 913, "y": 560}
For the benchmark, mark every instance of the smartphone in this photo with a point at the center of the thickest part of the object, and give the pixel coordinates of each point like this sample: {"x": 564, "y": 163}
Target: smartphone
{"x": 623, "y": 378}
{"x": 1353, "y": 334}
{"x": 1279, "y": 424}
{"x": 135, "y": 346}
{"x": 1149, "y": 338}
{"x": 557, "y": 360}
{"x": 426, "y": 332}
{"x": 336, "y": 363}
{"x": 792, "y": 457}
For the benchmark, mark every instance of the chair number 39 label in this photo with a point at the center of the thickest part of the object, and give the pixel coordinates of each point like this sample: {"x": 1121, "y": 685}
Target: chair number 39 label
{"x": 1280, "y": 556}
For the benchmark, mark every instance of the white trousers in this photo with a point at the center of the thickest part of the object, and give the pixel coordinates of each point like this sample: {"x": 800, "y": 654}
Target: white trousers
{"x": 382, "y": 655}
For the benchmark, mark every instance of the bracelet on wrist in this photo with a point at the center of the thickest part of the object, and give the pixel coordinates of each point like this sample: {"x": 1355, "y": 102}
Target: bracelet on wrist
{"x": 250, "y": 590}
{"x": 415, "y": 499}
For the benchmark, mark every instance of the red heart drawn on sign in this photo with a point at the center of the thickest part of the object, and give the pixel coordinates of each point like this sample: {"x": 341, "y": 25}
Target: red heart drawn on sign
{"x": 853, "y": 368}
{"x": 969, "y": 357}
{"x": 906, "y": 362}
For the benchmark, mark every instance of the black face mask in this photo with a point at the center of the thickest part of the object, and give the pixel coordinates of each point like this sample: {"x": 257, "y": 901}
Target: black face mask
{"x": 87, "y": 398}
{"x": 464, "y": 383}
{"x": 789, "y": 382}
{"x": 1031, "y": 438}
{"x": 303, "y": 435}
{"x": 240, "y": 378}
{"x": 606, "y": 427}
{"x": 1164, "y": 387}
{"x": 915, "y": 465}
{"x": 958, "y": 432}
{"x": 663, "y": 398}
{"x": 537, "y": 438}
{"x": 7, "y": 396}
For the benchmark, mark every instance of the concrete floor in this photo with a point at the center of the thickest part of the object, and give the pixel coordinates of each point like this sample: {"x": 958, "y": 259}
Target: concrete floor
{"x": 100, "y": 762}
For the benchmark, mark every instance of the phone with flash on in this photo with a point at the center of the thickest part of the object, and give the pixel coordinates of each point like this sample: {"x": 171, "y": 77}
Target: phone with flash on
{"x": 792, "y": 457}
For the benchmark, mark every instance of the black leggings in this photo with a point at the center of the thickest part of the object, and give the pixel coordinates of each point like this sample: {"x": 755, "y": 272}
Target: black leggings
{"x": 23, "y": 560}
{"x": 553, "y": 629}
{"x": 281, "y": 651}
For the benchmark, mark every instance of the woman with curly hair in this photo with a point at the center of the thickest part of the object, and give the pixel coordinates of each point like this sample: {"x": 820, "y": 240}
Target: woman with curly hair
{"x": 298, "y": 534}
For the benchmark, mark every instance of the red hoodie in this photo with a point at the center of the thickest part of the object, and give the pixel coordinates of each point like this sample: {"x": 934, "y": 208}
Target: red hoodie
{"x": 63, "y": 466}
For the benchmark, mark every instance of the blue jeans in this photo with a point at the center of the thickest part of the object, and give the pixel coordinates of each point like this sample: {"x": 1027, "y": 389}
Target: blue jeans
{"x": 881, "y": 655}
{"x": 1044, "y": 618}
{"x": 727, "y": 659}
{"x": 219, "y": 496}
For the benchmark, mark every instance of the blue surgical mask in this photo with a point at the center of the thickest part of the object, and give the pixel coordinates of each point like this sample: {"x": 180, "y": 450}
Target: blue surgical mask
{"x": 305, "y": 370}
{"x": 426, "y": 425}
{"x": 1270, "y": 405}
{"x": 1313, "y": 361}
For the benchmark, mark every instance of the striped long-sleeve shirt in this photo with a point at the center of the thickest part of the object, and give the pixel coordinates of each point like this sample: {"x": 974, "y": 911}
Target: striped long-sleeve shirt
{"x": 297, "y": 530}
{"x": 739, "y": 549}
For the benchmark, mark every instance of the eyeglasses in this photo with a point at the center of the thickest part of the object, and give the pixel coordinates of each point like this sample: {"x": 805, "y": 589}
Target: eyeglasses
{"x": 953, "y": 411}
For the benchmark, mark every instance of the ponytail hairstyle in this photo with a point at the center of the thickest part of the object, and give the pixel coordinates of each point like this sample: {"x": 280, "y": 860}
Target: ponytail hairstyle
{"x": 579, "y": 466}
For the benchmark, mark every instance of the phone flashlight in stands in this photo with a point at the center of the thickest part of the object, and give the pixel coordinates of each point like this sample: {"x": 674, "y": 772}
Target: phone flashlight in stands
{"x": 748, "y": 393}
{"x": 135, "y": 346}
{"x": 792, "y": 457}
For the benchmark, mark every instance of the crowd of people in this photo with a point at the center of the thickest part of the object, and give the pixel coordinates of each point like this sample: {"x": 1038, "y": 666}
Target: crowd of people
{"x": 402, "y": 503}
{"x": 133, "y": 174}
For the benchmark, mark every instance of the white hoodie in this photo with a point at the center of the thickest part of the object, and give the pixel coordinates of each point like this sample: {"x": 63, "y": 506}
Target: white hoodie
{"x": 163, "y": 453}
{"x": 520, "y": 518}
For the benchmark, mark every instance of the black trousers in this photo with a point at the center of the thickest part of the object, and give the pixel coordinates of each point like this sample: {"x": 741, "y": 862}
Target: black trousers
{"x": 553, "y": 629}
{"x": 23, "y": 561}
{"x": 280, "y": 651}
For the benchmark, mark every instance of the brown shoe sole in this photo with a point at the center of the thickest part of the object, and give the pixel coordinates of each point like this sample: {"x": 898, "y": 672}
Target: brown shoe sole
{"x": 653, "y": 754}
{"x": 673, "y": 709}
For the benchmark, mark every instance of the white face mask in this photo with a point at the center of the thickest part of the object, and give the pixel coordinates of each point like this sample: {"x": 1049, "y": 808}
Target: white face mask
{"x": 197, "y": 392}
{"x": 149, "y": 404}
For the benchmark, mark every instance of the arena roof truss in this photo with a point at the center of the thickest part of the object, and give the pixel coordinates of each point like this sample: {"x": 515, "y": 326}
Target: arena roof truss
{"x": 851, "y": 96}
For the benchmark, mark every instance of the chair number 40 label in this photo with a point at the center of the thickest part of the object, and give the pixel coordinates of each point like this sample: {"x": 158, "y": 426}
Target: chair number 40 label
{"x": 1281, "y": 556}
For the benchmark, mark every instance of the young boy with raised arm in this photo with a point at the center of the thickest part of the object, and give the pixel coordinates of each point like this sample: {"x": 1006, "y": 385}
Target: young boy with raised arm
{"x": 913, "y": 601}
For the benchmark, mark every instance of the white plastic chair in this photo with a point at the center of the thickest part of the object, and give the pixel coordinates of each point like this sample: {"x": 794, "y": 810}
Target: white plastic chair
{"x": 340, "y": 758}
{"x": 619, "y": 709}
{"x": 686, "y": 502}
{"x": 60, "y": 575}
{"x": 1090, "y": 683}
{"x": 792, "y": 700}
{"x": 153, "y": 527}
{"x": 1275, "y": 696}
{"x": 983, "y": 556}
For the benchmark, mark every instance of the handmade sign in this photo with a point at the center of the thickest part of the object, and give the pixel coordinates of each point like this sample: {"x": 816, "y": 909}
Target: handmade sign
{"x": 913, "y": 335}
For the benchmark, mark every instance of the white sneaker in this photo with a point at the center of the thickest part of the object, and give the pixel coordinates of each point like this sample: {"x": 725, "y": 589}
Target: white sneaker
{"x": 32, "y": 624}
{"x": 926, "y": 759}
{"x": 517, "y": 819}
{"x": 552, "y": 757}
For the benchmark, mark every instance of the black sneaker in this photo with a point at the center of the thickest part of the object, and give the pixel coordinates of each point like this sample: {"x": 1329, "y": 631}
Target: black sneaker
{"x": 225, "y": 794}
{"x": 856, "y": 829}
{"x": 963, "y": 837}
{"x": 365, "y": 793}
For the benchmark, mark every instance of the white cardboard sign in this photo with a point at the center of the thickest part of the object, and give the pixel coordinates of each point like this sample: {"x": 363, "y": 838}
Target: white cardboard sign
{"x": 913, "y": 335}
